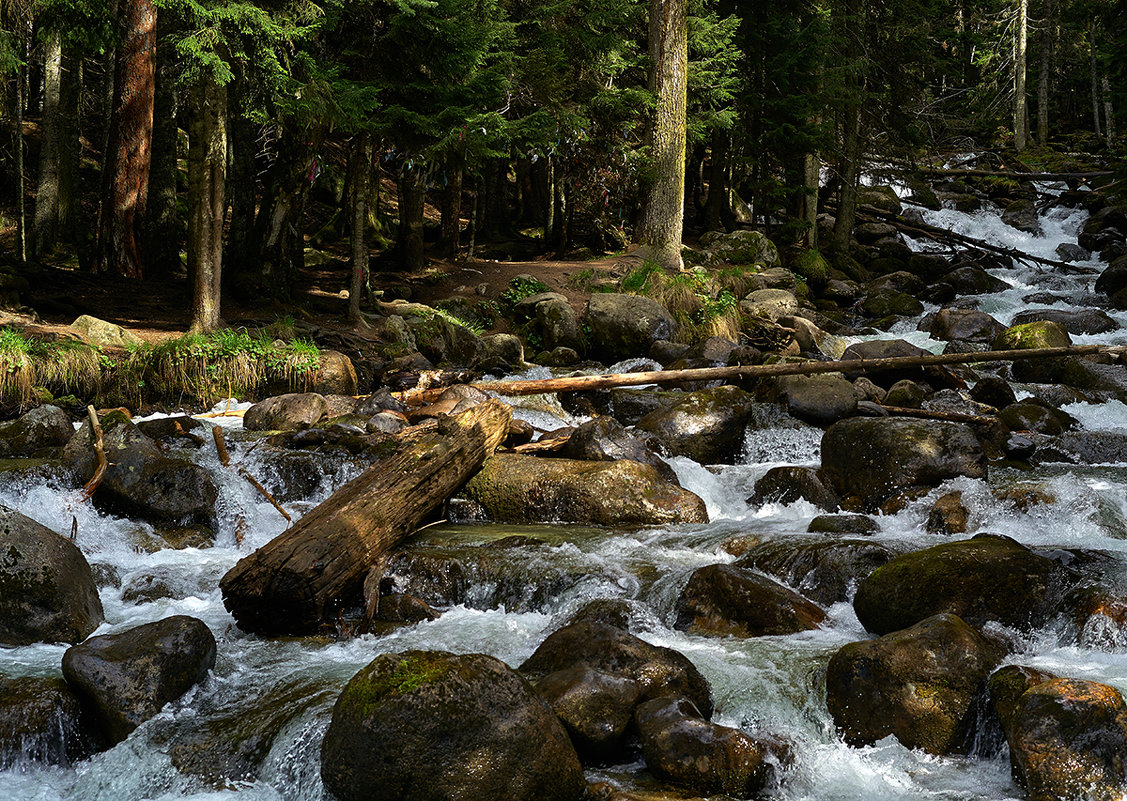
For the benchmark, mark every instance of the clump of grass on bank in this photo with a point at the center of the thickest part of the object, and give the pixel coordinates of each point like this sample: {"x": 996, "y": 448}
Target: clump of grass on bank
{"x": 62, "y": 367}
{"x": 702, "y": 305}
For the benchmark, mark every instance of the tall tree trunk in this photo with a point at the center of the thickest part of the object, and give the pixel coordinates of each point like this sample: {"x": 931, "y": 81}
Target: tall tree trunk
{"x": 130, "y": 141}
{"x": 550, "y": 206}
{"x": 70, "y": 148}
{"x": 1048, "y": 43}
{"x": 242, "y": 149}
{"x": 1021, "y": 132}
{"x": 207, "y": 172}
{"x": 360, "y": 171}
{"x": 162, "y": 231}
{"x": 1095, "y": 76}
{"x": 664, "y": 208}
{"x": 47, "y": 189}
{"x": 1109, "y": 111}
{"x": 452, "y": 207}
{"x": 811, "y": 174}
{"x": 412, "y": 197}
{"x": 718, "y": 200}
{"x": 17, "y": 140}
{"x": 277, "y": 228}
{"x": 848, "y": 174}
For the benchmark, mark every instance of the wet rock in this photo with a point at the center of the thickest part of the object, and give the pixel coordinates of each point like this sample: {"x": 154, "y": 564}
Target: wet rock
{"x": 379, "y": 401}
{"x": 993, "y": 391}
{"x": 683, "y": 748}
{"x": 905, "y": 393}
{"x": 1081, "y": 321}
{"x": 1069, "y": 738}
{"x": 515, "y": 488}
{"x": 41, "y": 428}
{"x": 140, "y": 478}
{"x": 888, "y": 302}
{"x": 1022, "y": 215}
{"x": 918, "y": 684}
{"x": 1006, "y": 686}
{"x": 741, "y": 246}
{"x": 47, "y": 591}
{"x": 622, "y": 613}
{"x": 433, "y": 725}
{"x": 726, "y": 600}
{"x": 974, "y": 281}
{"x": 948, "y": 515}
{"x": 165, "y": 581}
{"x": 824, "y": 570}
{"x": 286, "y": 412}
{"x": 1037, "y": 334}
{"x": 769, "y": 304}
{"x": 968, "y": 325}
{"x": 902, "y": 282}
{"x": 126, "y": 678}
{"x": 707, "y": 426}
{"x": 177, "y": 429}
{"x": 40, "y": 721}
{"x": 788, "y": 484}
{"x": 983, "y": 579}
{"x": 816, "y": 399}
{"x": 595, "y": 707}
{"x": 659, "y": 672}
{"x": 605, "y": 439}
{"x": 401, "y": 607}
{"x": 843, "y": 524}
{"x": 385, "y": 423}
{"x": 623, "y": 326}
{"x": 1029, "y": 415}
{"x": 1114, "y": 278}
{"x": 872, "y": 458}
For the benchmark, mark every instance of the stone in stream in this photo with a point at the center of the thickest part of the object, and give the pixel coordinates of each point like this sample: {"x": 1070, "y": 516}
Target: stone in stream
{"x": 41, "y": 428}
{"x": 986, "y": 578}
{"x": 286, "y": 412}
{"x": 993, "y": 391}
{"x": 816, "y": 399}
{"x": 1040, "y": 418}
{"x": 659, "y": 672}
{"x": 595, "y": 707}
{"x": 948, "y": 515}
{"x": 683, "y": 748}
{"x": 727, "y": 600}
{"x": 826, "y": 570}
{"x": 40, "y": 721}
{"x": 1032, "y": 335}
{"x": 918, "y": 684}
{"x": 971, "y": 280}
{"x": 870, "y": 459}
{"x": 843, "y": 524}
{"x": 1022, "y": 215}
{"x": 47, "y": 591}
{"x": 624, "y": 326}
{"x": 604, "y": 439}
{"x": 126, "y": 678}
{"x": 707, "y": 426}
{"x": 787, "y": 484}
{"x": 889, "y": 348}
{"x": 516, "y": 488}
{"x": 769, "y": 304}
{"x": 430, "y": 725}
{"x": 1078, "y": 321}
{"x": 967, "y": 325}
{"x": 1069, "y": 740}
{"x": 1113, "y": 279}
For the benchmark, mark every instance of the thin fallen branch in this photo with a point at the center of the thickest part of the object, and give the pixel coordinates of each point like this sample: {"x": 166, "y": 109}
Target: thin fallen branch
{"x": 609, "y": 381}
{"x": 225, "y": 460}
{"x": 221, "y": 446}
{"x": 933, "y": 414}
{"x": 99, "y": 454}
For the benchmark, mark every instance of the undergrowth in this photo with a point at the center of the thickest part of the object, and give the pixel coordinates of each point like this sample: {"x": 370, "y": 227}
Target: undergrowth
{"x": 65, "y": 366}
{"x": 704, "y": 305}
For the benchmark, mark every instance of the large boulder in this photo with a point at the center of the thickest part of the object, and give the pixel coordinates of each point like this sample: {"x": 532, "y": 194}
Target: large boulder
{"x": 769, "y": 304}
{"x": 1114, "y": 277}
{"x": 964, "y": 325}
{"x": 286, "y": 412}
{"x": 47, "y": 591}
{"x": 707, "y": 426}
{"x": 42, "y": 427}
{"x": 986, "y": 578}
{"x": 141, "y": 479}
{"x": 335, "y": 375}
{"x": 105, "y": 334}
{"x": 604, "y": 439}
{"x": 683, "y": 748}
{"x": 659, "y": 672}
{"x": 884, "y": 349}
{"x": 430, "y": 725}
{"x": 515, "y": 488}
{"x": 1078, "y": 321}
{"x": 1069, "y": 740}
{"x": 918, "y": 685}
{"x": 624, "y": 326}
{"x": 729, "y": 600}
{"x": 872, "y": 458}
{"x": 125, "y": 678}
{"x": 595, "y": 707}
{"x": 1035, "y": 334}
{"x": 444, "y": 342}
{"x": 972, "y": 280}
{"x": 741, "y": 247}
{"x": 826, "y": 570}
{"x": 817, "y": 399}
{"x": 40, "y": 721}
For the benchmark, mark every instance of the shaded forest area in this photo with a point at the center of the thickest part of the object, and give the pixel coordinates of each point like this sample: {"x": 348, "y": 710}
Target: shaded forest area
{"x": 217, "y": 144}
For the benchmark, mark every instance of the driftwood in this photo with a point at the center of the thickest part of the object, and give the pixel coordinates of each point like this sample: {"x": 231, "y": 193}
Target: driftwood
{"x": 609, "y": 381}
{"x": 300, "y": 578}
{"x": 102, "y": 464}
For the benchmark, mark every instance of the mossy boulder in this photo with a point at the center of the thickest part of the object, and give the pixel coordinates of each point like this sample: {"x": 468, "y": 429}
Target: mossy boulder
{"x": 40, "y": 721}
{"x": 918, "y": 684}
{"x": 984, "y": 579}
{"x": 769, "y": 304}
{"x": 47, "y": 591}
{"x": 881, "y": 197}
{"x": 1022, "y": 215}
{"x": 826, "y": 570}
{"x": 430, "y": 725}
{"x": 741, "y": 247}
{"x": 41, "y": 428}
{"x": 1032, "y": 335}
{"x": 812, "y": 266}
{"x": 105, "y": 334}
{"x": 707, "y": 426}
{"x": 515, "y": 488}
{"x": 816, "y": 399}
{"x": 1079, "y": 321}
{"x": 625, "y": 326}
{"x": 445, "y": 342}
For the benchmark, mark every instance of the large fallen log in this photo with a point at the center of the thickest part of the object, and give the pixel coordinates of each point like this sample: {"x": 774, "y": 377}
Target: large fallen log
{"x": 298, "y": 580}
{"x": 609, "y": 381}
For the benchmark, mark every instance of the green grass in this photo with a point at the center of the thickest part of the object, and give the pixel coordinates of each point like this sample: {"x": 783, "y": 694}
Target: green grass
{"x": 61, "y": 367}
{"x": 521, "y": 288}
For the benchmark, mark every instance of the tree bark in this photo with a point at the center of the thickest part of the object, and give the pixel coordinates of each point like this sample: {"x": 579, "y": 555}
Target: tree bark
{"x": 811, "y": 178}
{"x": 302, "y": 577}
{"x": 452, "y": 208}
{"x": 70, "y": 148}
{"x": 412, "y": 197}
{"x": 277, "y": 228}
{"x": 1094, "y": 75}
{"x": 1048, "y": 43}
{"x": 47, "y": 188}
{"x": 207, "y": 168}
{"x": 162, "y": 232}
{"x": 241, "y": 194}
{"x": 718, "y": 203}
{"x": 17, "y": 141}
{"x": 1109, "y": 112}
{"x": 849, "y": 24}
{"x": 664, "y": 206}
{"x": 129, "y": 149}
{"x": 1021, "y": 133}
{"x": 360, "y": 169}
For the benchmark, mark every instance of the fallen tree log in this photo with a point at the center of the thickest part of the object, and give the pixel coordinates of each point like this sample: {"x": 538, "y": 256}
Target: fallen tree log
{"x": 299, "y": 579}
{"x": 609, "y": 381}
{"x": 935, "y": 414}
{"x": 1020, "y": 176}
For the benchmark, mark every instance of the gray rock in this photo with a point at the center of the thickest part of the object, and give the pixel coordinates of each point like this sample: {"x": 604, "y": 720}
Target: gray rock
{"x": 741, "y": 247}
{"x": 816, "y": 399}
{"x": 1022, "y": 215}
{"x": 969, "y": 325}
{"x": 623, "y": 326}
{"x": 827, "y": 571}
{"x": 40, "y": 721}
{"x": 769, "y": 304}
{"x": 40, "y": 428}
{"x": 595, "y": 707}
{"x": 1080, "y": 321}
{"x": 103, "y": 334}
{"x": 707, "y": 426}
{"x": 604, "y": 439}
{"x": 787, "y": 484}
{"x": 286, "y": 412}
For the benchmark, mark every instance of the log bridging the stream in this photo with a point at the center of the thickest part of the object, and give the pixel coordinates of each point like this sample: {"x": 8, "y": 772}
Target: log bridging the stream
{"x": 296, "y": 581}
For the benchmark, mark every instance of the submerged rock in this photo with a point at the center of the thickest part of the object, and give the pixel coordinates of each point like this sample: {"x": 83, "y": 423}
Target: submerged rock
{"x": 430, "y": 725}
{"x": 47, "y": 591}
{"x": 823, "y": 569}
{"x": 126, "y": 678}
{"x": 40, "y": 721}
{"x": 918, "y": 684}
{"x": 515, "y": 488}
{"x": 728, "y": 600}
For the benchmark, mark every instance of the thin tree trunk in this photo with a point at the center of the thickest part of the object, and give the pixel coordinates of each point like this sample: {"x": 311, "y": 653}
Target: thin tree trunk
{"x": 47, "y": 189}
{"x": 360, "y": 171}
{"x": 550, "y": 211}
{"x": 412, "y": 197}
{"x": 452, "y": 208}
{"x": 1021, "y": 132}
{"x": 241, "y": 192}
{"x": 475, "y": 217}
{"x": 70, "y": 148}
{"x": 129, "y": 148}
{"x": 1048, "y": 42}
{"x": 278, "y": 224}
{"x": 21, "y": 203}
{"x": 1095, "y": 76}
{"x": 848, "y": 173}
{"x": 1109, "y": 112}
{"x": 207, "y": 170}
{"x": 811, "y": 175}
{"x": 664, "y": 207}
{"x": 717, "y": 182}
{"x": 162, "y": 232}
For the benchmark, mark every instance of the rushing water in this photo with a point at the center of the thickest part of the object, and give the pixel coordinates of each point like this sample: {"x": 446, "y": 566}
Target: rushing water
{"x": 286, "y": 687}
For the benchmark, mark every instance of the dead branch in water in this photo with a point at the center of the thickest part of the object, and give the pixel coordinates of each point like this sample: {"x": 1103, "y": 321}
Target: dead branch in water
{"x": 225, "y": 460}
{"x": 99, "y": 453}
